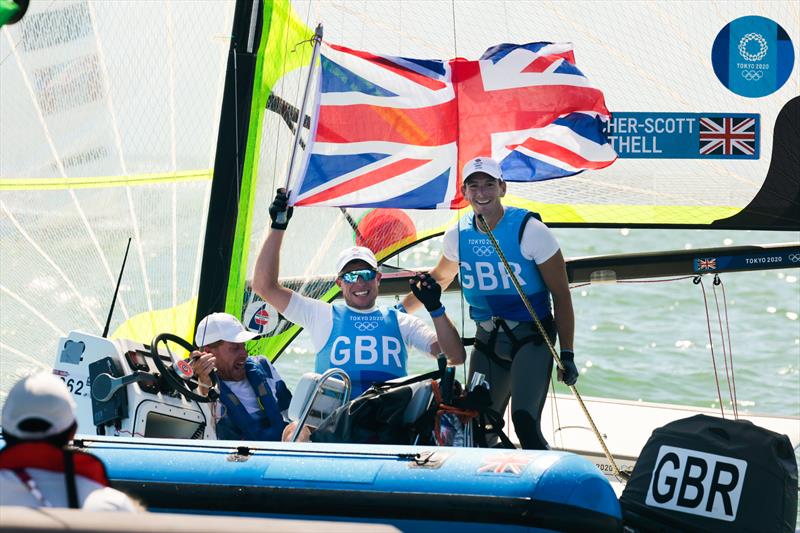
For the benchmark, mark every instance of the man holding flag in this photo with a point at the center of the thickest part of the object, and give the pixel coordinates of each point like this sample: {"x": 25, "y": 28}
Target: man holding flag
{"x": 370, "y": 343}
{"x": 395, "y": 132}
{"x": 509, "y": 349}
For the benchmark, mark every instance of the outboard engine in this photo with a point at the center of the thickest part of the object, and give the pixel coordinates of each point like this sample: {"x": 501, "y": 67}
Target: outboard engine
{"x": 710, "y": 474}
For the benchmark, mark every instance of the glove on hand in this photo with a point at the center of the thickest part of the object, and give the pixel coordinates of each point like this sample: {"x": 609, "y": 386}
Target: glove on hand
{"x": 427, "y": 291}
{"x": 570, "y": 373}
{"x": 278, "y": 211}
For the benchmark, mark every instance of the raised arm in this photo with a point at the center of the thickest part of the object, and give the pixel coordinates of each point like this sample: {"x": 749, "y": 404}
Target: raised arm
{"x": 265, "y": 277}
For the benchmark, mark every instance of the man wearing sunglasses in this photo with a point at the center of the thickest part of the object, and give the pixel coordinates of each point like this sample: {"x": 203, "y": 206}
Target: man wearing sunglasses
{"x": 370, "y": 343}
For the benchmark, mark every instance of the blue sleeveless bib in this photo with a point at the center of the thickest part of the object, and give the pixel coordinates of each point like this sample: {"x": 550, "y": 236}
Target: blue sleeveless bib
{"x": 487, "y": 286}
{"x": 368, "y": 346}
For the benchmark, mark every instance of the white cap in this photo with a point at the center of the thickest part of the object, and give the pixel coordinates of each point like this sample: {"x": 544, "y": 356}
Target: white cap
{"x": 221, "y": 327}
{"x": 356, "y": 253}
{"x": 40, "y": 396}
{"x": 487, "y": 165}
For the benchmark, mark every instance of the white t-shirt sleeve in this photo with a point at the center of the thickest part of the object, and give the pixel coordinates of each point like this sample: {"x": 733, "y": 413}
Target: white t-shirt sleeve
{"x": 450, "y": 244}
{"x": 416, "y": 333}
{"x": 314, "y": 315}
{"x": 538, "y": 242}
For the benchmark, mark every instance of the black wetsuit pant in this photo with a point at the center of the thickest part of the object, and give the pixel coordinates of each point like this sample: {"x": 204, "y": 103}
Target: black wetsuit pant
{"x": 524, "y": 377}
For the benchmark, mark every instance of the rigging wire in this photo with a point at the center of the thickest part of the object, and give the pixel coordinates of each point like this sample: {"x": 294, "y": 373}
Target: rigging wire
{"x": 726, "y": 348}
{"x": 730, "y": 350}
{"x": 455, "y": 34}
{"x": 554, "y": 404}
{"x": 722, "y": 341}
{"x": 698, "y": 280}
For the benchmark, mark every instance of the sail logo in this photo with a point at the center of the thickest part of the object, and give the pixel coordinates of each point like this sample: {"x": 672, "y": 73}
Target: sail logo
{"x": 762, "y": 44}
{"x": 752, "y": 56}
{"x": 697, "y": 483}
{"x": 260, "y": 317}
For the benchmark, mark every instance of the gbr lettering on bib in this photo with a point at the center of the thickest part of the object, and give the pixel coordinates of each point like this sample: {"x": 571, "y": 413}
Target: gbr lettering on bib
{"x": 489, "y": 276}
{"x": 364, "y": 350}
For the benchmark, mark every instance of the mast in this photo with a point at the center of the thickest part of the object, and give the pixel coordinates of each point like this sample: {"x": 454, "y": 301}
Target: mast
{"x": 229, "y": 160}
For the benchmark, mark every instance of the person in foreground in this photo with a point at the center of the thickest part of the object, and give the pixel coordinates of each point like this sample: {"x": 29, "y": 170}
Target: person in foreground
{"x": 36, "y": 467}
{"x": 253, "y": 399}
{"x": 370, "y": 343}
{"x": 509, "y": 349}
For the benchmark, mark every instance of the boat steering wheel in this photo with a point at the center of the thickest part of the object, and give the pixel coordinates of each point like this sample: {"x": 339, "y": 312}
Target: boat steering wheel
{"x": 181, "y": 385}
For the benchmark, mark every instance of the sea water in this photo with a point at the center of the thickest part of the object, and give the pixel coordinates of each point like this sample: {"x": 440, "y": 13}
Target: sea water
{"x": 650, "y": 340}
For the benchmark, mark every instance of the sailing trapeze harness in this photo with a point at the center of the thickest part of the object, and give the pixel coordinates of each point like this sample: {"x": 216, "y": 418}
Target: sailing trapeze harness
{"x": 45, "y": 456}
{"x": 236, "y": 422}
{"x": 496, "y": 324}
{"x": 477, "y": 258}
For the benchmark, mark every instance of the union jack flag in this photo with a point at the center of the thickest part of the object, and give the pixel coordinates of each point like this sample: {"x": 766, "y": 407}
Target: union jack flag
{"x": 396, "y": 132}
{"x": 706, "y": 264}
{"x": 504, "y": 464}
{"x": 727, "y": 136}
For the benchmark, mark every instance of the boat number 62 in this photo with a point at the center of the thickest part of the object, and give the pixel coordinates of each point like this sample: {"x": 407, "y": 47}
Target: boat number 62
{"x": 75, "y": 386}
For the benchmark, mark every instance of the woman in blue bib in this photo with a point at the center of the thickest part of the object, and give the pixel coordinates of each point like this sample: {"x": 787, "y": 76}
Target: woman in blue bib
{"x": 509, "y": 349}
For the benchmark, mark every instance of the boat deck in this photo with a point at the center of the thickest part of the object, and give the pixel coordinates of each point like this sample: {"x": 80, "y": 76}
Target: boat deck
{"x": 626, "y": 426}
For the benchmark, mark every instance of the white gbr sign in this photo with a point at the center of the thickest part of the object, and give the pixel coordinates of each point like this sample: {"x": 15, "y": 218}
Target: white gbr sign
{"x": 695, "y": 482}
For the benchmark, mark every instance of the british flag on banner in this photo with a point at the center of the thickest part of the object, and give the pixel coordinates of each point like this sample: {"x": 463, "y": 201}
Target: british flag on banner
{"x": 727, "y": 136}
{"x": 396, "y": 132}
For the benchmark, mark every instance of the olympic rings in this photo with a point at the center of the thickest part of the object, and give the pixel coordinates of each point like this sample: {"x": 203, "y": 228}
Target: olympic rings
{"x": 794, "y": 258}
{"x": 483, "y": 251}
{"x": 366, "y": 326}
{"x": 752, "y": 75}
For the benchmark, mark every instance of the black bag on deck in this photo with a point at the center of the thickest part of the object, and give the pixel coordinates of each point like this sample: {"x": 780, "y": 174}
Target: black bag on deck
{"x": 388, "y": 413}
{"x": 709, "y": 474}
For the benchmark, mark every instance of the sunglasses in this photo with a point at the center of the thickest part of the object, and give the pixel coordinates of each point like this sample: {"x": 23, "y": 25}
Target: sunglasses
{"x": 353, "y": 275}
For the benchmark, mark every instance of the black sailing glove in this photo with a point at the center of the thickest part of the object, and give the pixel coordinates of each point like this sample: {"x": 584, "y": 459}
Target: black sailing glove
{"x": 427, "y": 291}
{"x": 570, "y": 373}
{"x": 279, "y": 212}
